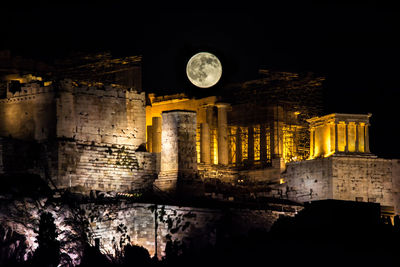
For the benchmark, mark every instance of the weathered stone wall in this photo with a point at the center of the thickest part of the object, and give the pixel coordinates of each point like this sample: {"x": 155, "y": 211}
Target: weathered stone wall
{"x": 28, "y": 114}
{"x": 224, "y": 173}
{"x": 367, "y": 179}
{"x": 118, "y": 224}
{"x": 396, "y": 184}
{"x": 109, "y": 115}
{"x": 308, "y": 180}
{"x": 104, "y": 168}
{"x": 68, "y": 164}
{"x": 100, "y": 127}
{"x": 148, "y": 224}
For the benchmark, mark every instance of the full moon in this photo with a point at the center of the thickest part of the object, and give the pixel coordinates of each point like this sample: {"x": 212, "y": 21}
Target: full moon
{"x": 204, "y": 70}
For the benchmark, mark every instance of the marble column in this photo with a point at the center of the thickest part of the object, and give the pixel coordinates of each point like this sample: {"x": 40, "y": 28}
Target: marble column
{"x": 156, "y": 137}
{"x": 250, "y": 143}
{"x": 336, "y": 138}
{"x": 178, "y": 155}
{"x": 263, "y": 143}
{"x": 346, "y": 149}
{"x": 312, "y": 142}
{"x": 222, "y": 133}
{"x": 366, "y": 138}
{"x": 205, "y": 153}
{"x": 150, "y": 138}
{"x": 357, "y": 141}
{"x": 238, "y": 146}
{"x": 210, "y": 116}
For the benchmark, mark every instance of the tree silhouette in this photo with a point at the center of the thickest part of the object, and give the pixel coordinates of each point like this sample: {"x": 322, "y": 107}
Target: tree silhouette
{"x": 48, "y": 252}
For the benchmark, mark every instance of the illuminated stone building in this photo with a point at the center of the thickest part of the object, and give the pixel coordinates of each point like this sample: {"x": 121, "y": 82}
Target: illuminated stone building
{"x": 87, "y": 132}
{"x": 341, "y": 166}
{"x": 94, "y": 128}
{"x": 89, "y": 128}
{"x": 336, "y": 133}
{"x": 250, "y": 130}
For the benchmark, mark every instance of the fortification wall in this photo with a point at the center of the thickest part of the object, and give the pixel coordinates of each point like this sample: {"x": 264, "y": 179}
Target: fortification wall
{"x": 115, "y": 225}
{"x": 366, "y": 179}
{"x": 109, "y": 115}
{"x": 69, "y": 164}
{"x": 104, "y": 168}
{"x": 308, "y": 180}
{"x": 153, "y": 226}
{"x": 28, "y": 114}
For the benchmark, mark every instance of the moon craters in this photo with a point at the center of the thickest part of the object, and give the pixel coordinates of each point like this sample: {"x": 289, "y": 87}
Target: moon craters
{"x": 204, "y": 70}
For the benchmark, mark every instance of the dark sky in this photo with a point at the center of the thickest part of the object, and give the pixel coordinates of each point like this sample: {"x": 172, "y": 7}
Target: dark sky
{"x": 356, "y": 47}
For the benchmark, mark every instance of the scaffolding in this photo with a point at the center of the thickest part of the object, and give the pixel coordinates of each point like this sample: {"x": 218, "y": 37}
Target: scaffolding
{"x": 268, "y": 117}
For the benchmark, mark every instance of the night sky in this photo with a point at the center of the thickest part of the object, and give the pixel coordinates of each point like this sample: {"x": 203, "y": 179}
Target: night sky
{"x": 356, "y": 47}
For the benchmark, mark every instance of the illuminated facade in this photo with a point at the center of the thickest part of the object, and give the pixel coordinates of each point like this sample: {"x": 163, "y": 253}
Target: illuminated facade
{"x": 223, "y": 139}
{"x": 264, "y": 137}
{"x": 111, "y": 137}
{"x": 255, "y": 125}
{"x": 339, "y": 133}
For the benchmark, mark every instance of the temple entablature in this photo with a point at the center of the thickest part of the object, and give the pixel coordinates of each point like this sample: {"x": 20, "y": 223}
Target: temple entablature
{"x": 339, "y": 133}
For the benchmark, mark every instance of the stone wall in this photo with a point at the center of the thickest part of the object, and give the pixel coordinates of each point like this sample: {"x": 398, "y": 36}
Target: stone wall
{"x": 68, "y": 164}
{"x": 28, "y": 114}
{"x": 117, "y": 224}
{"x": 367, "y": 179}
{"x": 104, "y": 168}
{"x": 80, "y": 136}
{"x": 107, "y": 115}
{"x": 225, "y": 174}
{"x": 152, "y": 226}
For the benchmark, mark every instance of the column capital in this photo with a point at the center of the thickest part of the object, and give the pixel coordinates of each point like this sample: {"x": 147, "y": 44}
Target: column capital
{"x": 222, "y": 105}
{"x": 207, "y": 105}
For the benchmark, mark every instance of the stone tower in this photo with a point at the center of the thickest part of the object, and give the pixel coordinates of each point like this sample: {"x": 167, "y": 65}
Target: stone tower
{"x": 178, "y": 153}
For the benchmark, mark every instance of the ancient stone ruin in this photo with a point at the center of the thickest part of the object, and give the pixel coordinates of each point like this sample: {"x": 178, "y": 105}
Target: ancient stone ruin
{"x": 115, "y": 165}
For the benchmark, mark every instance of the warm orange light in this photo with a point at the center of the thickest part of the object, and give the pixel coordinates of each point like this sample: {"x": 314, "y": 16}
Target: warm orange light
{"x": 282, "y": 181}
{"x": 198, "y": 143}
{"x": 214, "y": 146}
{"x": 232, "y": 144}
{"x": 257, "y": 143}
{"x": 244, "y": 142}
